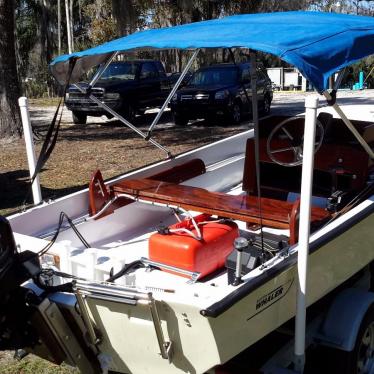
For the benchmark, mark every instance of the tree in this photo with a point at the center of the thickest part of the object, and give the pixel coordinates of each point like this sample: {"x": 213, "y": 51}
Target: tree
{"x": 102, "y": 26}
{"x": 125, "y": 15}
{"x": 10, "y": 122}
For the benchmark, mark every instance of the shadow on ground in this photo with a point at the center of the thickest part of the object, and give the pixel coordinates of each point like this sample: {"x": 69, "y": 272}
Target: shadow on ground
{"x": 15, "y": 190}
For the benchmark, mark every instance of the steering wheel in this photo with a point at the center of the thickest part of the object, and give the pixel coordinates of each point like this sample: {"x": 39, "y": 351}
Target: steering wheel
{"x": 285, "y": 142}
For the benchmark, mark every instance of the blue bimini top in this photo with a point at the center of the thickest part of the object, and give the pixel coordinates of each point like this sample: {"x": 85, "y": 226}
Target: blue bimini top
{"x": 317, "y": 43}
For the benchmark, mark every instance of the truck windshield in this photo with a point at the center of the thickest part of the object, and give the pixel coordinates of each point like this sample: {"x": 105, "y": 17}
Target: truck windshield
{"x": 121, "y": 70}
{"x": 214, "y": 76}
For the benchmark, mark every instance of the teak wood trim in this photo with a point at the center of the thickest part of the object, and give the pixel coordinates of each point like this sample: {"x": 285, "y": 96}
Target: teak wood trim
{"x": 181, "y": 173}
{"x": 275, "y": 213}
{"x": 294, "y": 222}
{"x": 99, "y": 194}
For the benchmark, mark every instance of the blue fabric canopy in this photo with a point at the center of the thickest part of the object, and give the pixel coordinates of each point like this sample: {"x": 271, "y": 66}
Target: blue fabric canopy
{"x": 317, "y": 43}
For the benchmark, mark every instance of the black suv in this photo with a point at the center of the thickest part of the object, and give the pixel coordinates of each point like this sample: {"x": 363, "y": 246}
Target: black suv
{"x": 217, "y": 91}
{"x": 128, "y": 87}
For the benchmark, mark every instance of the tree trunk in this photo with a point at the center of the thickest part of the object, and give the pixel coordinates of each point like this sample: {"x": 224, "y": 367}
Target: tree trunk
{"x": 45, "y": 35}
{"x": 67, "y": 25}
{"x": 59, "y": 25}
{"x": 125, "y": 16}
{"x": 10, "y": 122}
{"x": 71, "y": 25}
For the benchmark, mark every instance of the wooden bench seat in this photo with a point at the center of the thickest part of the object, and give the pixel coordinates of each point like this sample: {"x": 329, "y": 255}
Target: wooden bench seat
{"x": 100, "y": 194}
{"x": 275, "y": 213}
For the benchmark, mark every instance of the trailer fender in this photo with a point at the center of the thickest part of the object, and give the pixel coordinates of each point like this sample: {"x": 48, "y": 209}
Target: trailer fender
{"x": 343, "y": 319}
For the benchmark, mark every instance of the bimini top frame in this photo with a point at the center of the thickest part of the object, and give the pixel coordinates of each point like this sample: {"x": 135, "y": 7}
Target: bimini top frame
{"x": 318, "y": 44}
{"x": 100, "y": 72}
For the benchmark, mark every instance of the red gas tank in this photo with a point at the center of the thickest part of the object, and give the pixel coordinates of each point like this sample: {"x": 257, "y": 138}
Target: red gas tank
{"x": 183, "y": 251}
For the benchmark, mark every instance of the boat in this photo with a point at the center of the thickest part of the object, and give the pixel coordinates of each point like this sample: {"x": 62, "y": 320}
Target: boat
{"x": 179, "y": 266}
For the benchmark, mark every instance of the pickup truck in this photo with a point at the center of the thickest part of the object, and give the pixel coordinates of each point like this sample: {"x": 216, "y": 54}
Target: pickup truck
{"x": 220, "y": 91}
{"x": 128, "y": 87}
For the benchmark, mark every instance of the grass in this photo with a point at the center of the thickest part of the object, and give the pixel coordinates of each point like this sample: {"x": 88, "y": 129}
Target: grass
{"x": 44, "y": 101}
{"x": 31, "y": 365}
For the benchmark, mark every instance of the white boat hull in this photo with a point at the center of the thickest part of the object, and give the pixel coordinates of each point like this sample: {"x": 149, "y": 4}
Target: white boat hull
{"x": 200, "y": 343}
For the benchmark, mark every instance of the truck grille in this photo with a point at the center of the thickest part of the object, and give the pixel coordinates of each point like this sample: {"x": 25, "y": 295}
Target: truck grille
{"x": 76, "y": 94}
{"x": 199, "y": 96}
{"x": 186, "y": 97}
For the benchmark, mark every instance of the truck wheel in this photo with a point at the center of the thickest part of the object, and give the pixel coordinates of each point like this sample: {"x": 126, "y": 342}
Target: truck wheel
{"x": 236, "y": 113}
{"x": 361, "y": 359}
{"x": 180, "y": 120}
{"x": 128, "y": 112}
{"x": 266, "y": 107}
{"x": 79, "y": 118}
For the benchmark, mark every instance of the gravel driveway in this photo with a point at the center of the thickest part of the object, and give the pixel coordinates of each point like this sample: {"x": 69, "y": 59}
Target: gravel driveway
{"x": 284, "y": 103}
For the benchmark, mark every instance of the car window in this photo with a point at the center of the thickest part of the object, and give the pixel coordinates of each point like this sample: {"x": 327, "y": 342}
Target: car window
{"x": 214, "y": 77}
{"x": 160, "y": 68}
{"x": 149, "y": 70}
{"x": 246, "y": 74}
{"x": 121, "y": 70}
{"x": 265, "y": 75}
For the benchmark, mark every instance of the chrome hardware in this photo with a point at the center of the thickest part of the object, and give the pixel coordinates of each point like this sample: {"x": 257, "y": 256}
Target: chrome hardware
{"x": 239, "y": 244}
{"x": 194, "y": 275}
{"x": 165, "y": 346}
{"x": 117, "y": 294}
{"x": 201, "y": 96}
{"x": 86, "y": 318}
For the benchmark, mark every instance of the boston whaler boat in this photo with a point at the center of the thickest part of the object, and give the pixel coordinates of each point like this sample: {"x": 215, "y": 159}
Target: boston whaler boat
{"x": 181, "y": 265}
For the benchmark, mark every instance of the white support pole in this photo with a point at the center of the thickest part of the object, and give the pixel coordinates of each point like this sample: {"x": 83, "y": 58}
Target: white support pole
{"x": 311, "y": 105}
{"x": 27, "y": 133}
{"x": 303, "y": 83}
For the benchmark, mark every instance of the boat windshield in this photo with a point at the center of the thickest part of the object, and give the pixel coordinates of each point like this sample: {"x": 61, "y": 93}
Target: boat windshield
{"x": 213, "y": 76}
{"x": 121, "y": 71}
